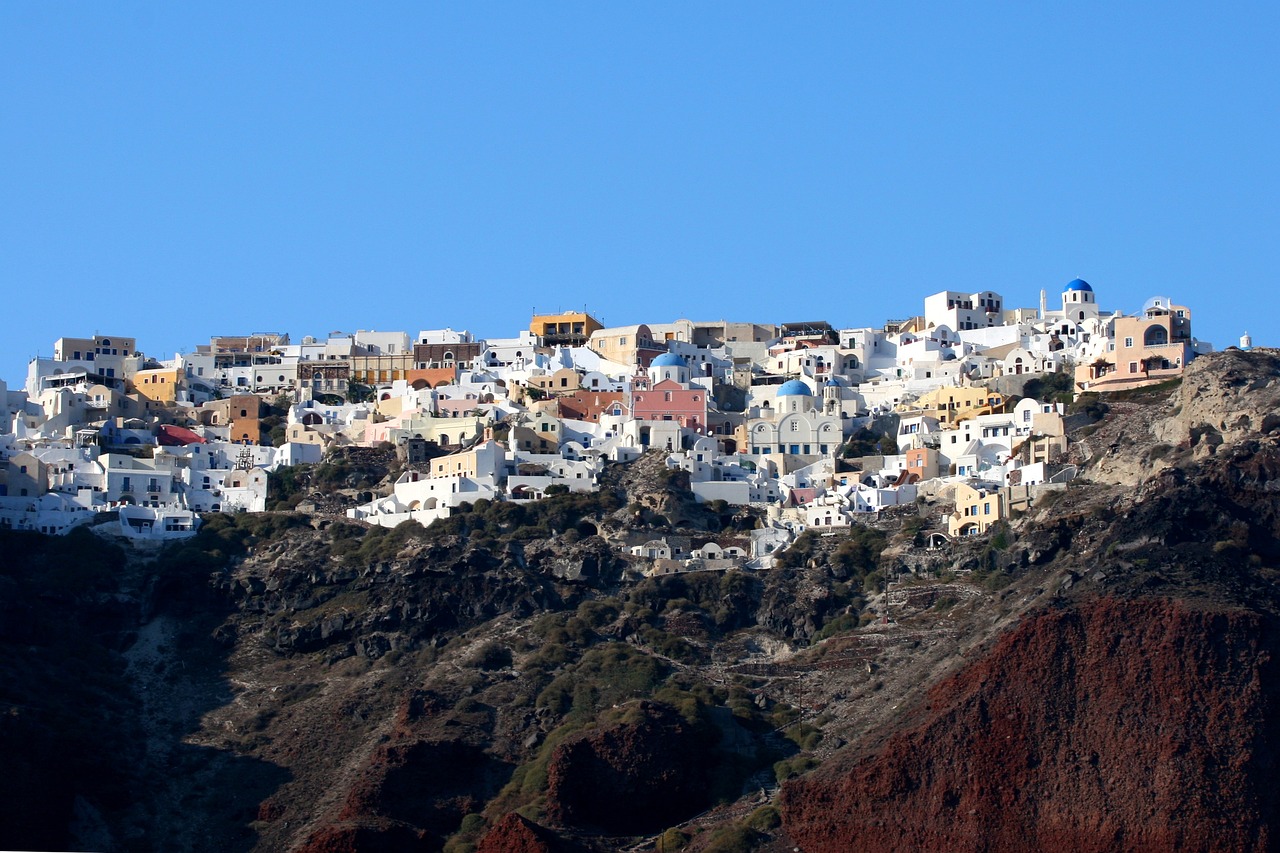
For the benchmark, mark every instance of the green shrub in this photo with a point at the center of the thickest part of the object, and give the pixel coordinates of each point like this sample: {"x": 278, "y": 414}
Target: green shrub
{"x": 764, "y": 819}
{"x": 783, "y": 715}
{"x": 860, "y": 553}
{"x": 1090, "y": 404}
{"x": 798, "y": 553}
{"x": 870, "y": 442}
{"x": 803, "y": 735}
{"x": 492, "y": 656}
{"x": 285, "y": 487}
{"x": 606, "y": 675}
{"x": 597, "y": 613}
{"x": 996, "y": 581}
{"x": 469, "y": 832}
{"x": 673, "y": 839}
{"x": 841, "y": 624}
{"x": 794, "y": 766}
{"x": 1058, "y": 386}
{"x": 733, "y": 839}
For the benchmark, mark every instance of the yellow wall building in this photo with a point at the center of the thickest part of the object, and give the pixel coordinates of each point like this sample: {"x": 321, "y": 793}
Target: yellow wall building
{"x": 952, "y": 405}
{"x": 976, "y": 510}
{"x": 158, "y": 386}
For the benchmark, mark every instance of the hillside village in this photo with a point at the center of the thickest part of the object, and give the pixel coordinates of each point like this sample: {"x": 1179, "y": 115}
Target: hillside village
{"x": 817, "y": 426}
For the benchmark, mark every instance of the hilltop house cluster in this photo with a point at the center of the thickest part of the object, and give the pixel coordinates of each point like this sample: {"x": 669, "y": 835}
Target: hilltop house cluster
{"x": 755, "y": 413}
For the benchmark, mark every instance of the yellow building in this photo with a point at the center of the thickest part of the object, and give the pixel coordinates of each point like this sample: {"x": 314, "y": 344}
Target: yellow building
{"x": 977, "y": 508}
{"x": 627, "y": 345}
{"x": 446, "y": 432}
{"x": 570, "y": 329}
{"x": 483, "y": 460}
{"x": 158, "y": 386}
{"x": 952, "y": 405}
{"x": 299, "y": 433}
{"x": 380, "y": 369}
{"x": 566, "y": 380}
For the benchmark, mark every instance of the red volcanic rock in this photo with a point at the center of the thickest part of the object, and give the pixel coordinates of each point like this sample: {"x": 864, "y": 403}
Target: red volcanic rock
{"x": 431, "y": 784}
{"x": 515, "y": 834}
{"x": 1117, "y": 725}
{"x": 270, "y": 809}
{"x": 635, "y": 776}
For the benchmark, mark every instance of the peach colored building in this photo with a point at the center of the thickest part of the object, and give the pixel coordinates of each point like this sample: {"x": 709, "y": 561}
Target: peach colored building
{"x": 1151, "y": 347}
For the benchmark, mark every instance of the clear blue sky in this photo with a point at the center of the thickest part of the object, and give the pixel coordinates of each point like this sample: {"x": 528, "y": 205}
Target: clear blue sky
{"x": 172, "y": 171}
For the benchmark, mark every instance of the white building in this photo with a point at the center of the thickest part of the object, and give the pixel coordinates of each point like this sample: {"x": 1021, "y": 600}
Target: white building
{"x": 382, "y": 343}
{"x": 794, "y": 425}
{"x": 962, "y": 311}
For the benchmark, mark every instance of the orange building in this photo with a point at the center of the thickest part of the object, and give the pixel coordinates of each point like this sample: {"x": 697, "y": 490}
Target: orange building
{"x": 587, "y": 405}
{"x": 246, "y": 427}
{"x": 431, "y": 377}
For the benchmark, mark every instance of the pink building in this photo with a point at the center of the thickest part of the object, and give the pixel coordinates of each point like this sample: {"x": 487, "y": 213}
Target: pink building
{"x": 662, "y": 394}
{"x": 670, "y": 401}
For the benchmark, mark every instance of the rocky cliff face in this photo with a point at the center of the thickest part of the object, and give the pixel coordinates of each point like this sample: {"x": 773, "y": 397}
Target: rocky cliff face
{"x": 1224, "y": 398}
{"x": 1146, "y": 724}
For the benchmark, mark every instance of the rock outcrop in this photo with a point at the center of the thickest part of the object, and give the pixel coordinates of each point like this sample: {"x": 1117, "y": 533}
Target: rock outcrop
{"x": 638, "y": 775}
{"x": 430, "y": 784}
{"x": 516, "y": 834}
{"x": 1223, "y": 398}
{"x": 1113, "y": 725}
